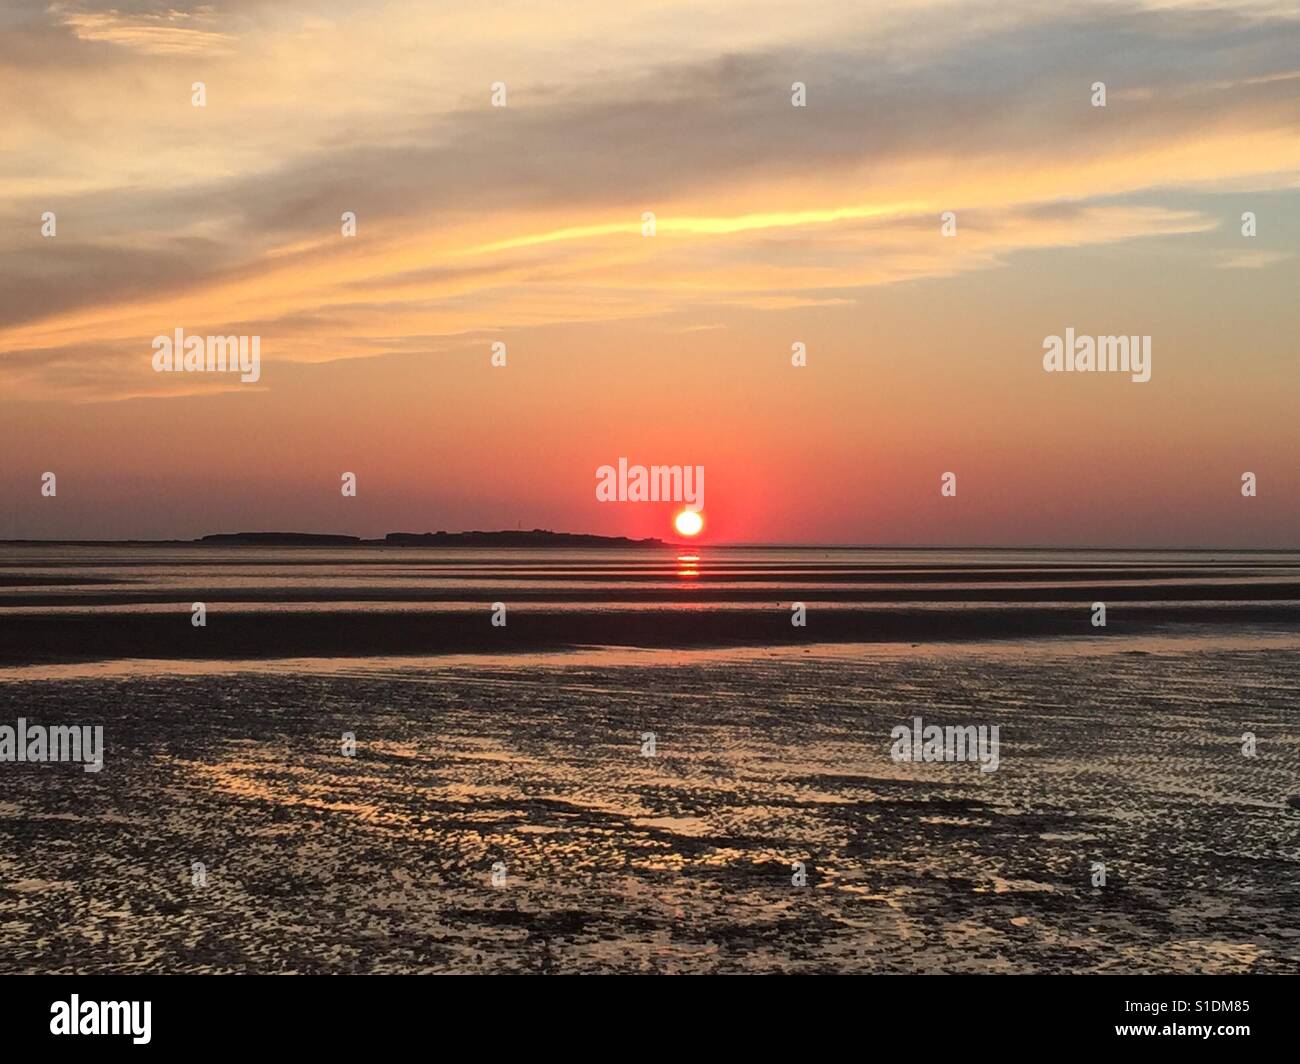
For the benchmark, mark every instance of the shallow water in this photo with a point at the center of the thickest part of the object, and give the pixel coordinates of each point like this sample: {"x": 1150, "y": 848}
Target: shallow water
{"x": 105, "y": 603}
{"x": 43, "y": 575}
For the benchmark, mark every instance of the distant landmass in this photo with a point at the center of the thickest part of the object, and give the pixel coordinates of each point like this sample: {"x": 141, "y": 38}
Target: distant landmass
{"x": 538, "y": 537}
{"x": 279, "y": 539}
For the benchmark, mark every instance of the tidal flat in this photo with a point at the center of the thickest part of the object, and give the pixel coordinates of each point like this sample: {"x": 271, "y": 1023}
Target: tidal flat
{"x": 228, "y": 831}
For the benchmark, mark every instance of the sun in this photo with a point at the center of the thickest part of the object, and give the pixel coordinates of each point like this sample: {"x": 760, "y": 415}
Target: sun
{"x": 688, "y": 523}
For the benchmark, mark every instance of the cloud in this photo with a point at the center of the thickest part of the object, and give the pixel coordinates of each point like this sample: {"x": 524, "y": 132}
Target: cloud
{"x": 161, "y": 32}
{"x": 172, "y": 215}
{"x": 1252, "y": 260}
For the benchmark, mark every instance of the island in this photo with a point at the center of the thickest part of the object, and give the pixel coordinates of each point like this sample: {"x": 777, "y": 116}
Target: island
{"x": 537, "y": 537}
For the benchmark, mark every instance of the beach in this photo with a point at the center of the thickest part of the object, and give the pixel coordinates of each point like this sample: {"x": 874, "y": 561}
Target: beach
{"x": 502, "y": 811}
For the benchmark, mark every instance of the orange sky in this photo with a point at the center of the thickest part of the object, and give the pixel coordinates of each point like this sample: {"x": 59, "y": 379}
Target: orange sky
{"x": 774, "y": 225}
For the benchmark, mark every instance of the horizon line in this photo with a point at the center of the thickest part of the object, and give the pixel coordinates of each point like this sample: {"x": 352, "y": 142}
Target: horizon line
{"x": 209, "y": 539}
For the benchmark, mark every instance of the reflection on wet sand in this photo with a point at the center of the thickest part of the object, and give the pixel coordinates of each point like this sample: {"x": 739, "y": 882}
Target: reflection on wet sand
{"x": 677, "y": 862}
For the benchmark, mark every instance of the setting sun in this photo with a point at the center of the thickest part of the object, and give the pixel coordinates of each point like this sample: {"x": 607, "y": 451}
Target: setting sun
{"x": 688, "y": 523}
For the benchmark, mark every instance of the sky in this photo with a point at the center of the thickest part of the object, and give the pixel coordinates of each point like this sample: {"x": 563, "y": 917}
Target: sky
{"x": 774, "y": 225}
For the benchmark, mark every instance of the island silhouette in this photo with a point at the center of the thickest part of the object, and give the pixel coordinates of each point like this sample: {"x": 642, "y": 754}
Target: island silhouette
{"x": 537, "y": 537}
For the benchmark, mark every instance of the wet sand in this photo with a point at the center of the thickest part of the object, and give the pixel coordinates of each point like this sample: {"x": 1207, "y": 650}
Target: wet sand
{"x": 1127, "y": 752}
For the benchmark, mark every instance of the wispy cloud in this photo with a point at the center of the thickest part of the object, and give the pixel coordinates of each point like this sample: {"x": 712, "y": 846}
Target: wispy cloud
{"x": 531, "y": 215}
{"x": 162, "y": 32}
{"x": 1253, "y": 260}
